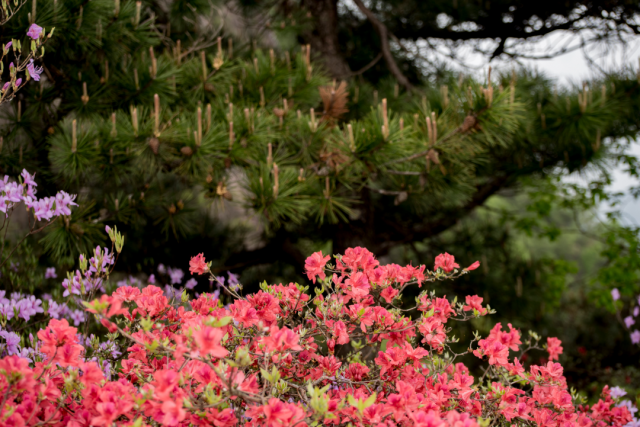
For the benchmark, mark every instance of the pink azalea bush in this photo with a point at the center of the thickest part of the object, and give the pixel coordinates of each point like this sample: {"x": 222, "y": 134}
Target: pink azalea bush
{"x": 349, "y": 354}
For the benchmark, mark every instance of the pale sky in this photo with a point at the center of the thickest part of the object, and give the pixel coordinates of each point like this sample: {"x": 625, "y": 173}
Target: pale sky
{"x": 572, "y": 68}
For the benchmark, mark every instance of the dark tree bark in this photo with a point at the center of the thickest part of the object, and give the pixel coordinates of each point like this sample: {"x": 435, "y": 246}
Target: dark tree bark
{"x": 324, "y": 37}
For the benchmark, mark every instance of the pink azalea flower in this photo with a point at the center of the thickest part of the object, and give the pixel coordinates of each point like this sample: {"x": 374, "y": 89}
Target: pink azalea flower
{"x": 629, "y": 321}
{"x": 446, "y": 262}
{"x": 34, "y": 31}
{"x": 473, "y": 266}
{"x": 615, "y": 294}
{"x": 314, "y": 266}
{"x": 198, "y": 265}
{"x": 34, "y": 71}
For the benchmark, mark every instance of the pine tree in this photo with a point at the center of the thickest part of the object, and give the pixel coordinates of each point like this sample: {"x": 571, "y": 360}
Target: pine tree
{"x": 154, "y": 117}
{"x": 146, "y": 127}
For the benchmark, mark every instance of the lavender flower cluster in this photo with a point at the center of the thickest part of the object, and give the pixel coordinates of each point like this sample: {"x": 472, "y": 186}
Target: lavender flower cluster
{"x": 12, "y": 346}
{"x": 101, "y": 351}
{"x": 34, "y": 32}
{"x": 12, "y": 192}
{"x": 90, "y": 278}
{"x": 630, "y": 320}
{"x": 62, "y": 311}
{"x": 19, "y": 306}
{"x": 24, "y": 307}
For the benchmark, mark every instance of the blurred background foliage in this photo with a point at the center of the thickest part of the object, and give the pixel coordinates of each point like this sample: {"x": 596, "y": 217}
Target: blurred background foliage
{"x": 194, "y": 132}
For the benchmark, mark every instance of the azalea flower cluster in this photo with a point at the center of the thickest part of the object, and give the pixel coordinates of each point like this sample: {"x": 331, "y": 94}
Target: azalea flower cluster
{"x": 618, "y": 393}
{"x": 38, "y": 38}
{"x": 347, "y": 354}
{"x": 24, "y": 190}
{"x": 19, "y": 306}
{"x": 630, "y": 320}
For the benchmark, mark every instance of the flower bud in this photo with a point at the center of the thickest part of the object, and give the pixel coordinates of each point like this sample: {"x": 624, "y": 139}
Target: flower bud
{"x": 83, "y": 263}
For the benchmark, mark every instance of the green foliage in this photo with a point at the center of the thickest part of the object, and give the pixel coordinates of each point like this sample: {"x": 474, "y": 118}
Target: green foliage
{"x": 193, "y": 147}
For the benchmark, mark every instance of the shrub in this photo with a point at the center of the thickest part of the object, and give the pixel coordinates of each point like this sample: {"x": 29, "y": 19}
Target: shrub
{"x": 282, "y": 358}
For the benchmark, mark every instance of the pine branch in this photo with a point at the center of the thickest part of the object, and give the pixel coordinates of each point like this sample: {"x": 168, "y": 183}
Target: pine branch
{"x": 384, "y": 46}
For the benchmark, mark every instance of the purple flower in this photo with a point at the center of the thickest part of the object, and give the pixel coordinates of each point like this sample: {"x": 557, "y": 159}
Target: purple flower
{"x": 63, "y": 202}
{"x": 18, "y": 82}
{"x": 112, "y": 348}
{"x": 43, "y": 208}
{"x": 176, "y": 275}
{"x": 162, "y": 269}
{"x": 6, "y": 86}
{"x": 12, "y": 341}
{"x": 152, "y": 279}
{"x": 77, "y": 316}
{"x": 25, "y": 353}
{"x": 635, "y": 337}
{"x": 7, "y": 46}
{"x": 617, "y": 392}
{"x": 191, "y": 283}
{"x": 233, "y": 278}
{"x": 29, "y": 306}
{"x": 129, "y": 281}
{"x": 96, "y": 265}
{"x": 170, "y": 291}
{"x": 57, "y": 311}
{"x": 107, "y": 229}
{"x": 34, "y": 71}
{"x": 34, "y": 31}
{"x": 220, "y": 280}
{"x": 615, "y": 294}
{"x": 13, "y": 192}
{"x": 636, "y": 311}
{"x": 106, "y": 369}
{"x": 629, "y": 321}
{"x": 72, "y": 286}
{"x": 50, "y": 273}
{"x": 6, "y": 310}
{"x": 28, "y": 179}
{"x": 31, "y": 192}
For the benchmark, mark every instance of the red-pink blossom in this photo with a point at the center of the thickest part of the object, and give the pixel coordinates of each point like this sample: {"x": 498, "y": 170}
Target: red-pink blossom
{"x": 473, "y": 266}
{"x": 198, "y": 265}
{"x": 446, "y": 262}
{"x": 216, "y": 360}
{"x": 554, "y": 348}
{"x": 474, "y": 302}
{"x": 207, "y": 342}
{"x": 314, "y": 266}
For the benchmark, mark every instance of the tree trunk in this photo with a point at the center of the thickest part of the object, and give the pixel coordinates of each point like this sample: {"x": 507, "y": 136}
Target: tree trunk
{"x": 324, "y": 36}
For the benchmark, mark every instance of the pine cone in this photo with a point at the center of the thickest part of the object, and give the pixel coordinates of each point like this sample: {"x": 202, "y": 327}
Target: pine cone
{"x": 187, "y": 151}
